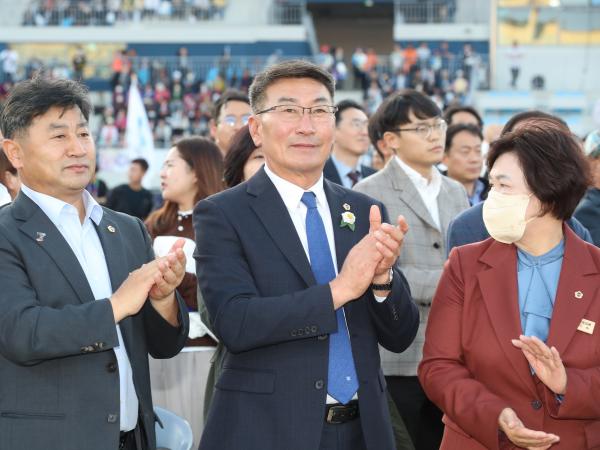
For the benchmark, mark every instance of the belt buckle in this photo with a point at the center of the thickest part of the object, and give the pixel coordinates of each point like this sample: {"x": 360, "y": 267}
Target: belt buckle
{"x": 331, "y": 412}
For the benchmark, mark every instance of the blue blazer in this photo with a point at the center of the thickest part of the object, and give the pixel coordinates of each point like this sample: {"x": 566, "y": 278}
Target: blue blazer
{"x": 468, "y": 227}
{"x": 331, "y": 173}
{"x": 275, "y": 321}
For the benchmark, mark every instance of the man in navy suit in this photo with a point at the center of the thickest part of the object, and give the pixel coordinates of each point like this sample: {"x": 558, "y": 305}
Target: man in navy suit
{"x": 297, "y": 277}
{"x": 351, "y": 142}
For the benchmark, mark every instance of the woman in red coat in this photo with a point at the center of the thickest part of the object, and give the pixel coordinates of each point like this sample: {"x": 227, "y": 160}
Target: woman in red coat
{"x": 511, "y": 352}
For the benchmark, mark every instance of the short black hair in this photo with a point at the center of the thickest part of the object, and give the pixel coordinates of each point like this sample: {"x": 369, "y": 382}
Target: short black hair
{"x": 295, "y": 68}
{"x": 555, "y": 168}
{"x": 240, "y": 149}
{"x": 33, "y": 98}
{"x": 453, "y": 130}
{"x": 230, "y": 95}
{"x": 344, "y": 105}
{"x": 142, "y": 163}
{"x": 451, "y": 110}
{"x": 394, "y": 111}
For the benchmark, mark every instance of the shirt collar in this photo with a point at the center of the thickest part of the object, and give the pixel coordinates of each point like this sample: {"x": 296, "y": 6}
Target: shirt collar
{"x": 418, "y": 179}
{"x": 342, "y": 168}
{"x": 53, "y": 207}
{"x": 291, "y": 194}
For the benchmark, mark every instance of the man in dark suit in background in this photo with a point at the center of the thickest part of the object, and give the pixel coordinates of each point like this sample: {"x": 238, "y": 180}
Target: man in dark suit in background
{"x": 351, "y": 142}
{"x": 82, "y": 300}
{"x": 296, "y": 273}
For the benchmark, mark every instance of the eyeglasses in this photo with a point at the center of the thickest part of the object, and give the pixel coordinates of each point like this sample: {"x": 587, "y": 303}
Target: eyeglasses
{"x": 294, "y": 113}
{"x": 424, "y": 130}
{"x": 358, "y": 124}
{"x": 232, "y": 121}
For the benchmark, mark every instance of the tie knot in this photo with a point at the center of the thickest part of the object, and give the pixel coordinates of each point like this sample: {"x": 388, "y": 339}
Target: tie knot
{"x": 354, "y": 175}
{"x": 309, "y": 199}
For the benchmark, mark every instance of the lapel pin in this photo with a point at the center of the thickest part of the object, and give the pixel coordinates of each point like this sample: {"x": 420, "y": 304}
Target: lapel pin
{"x": 346, "y": 206}
{"x": 578, "y": 294}
{"x": 111, "y": 228}
{"x": 587, "y": 326}
{"x": 40, "y": 236}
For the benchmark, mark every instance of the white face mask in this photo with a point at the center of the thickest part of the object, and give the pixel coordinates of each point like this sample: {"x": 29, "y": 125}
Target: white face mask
{"x": 504, "y": 216}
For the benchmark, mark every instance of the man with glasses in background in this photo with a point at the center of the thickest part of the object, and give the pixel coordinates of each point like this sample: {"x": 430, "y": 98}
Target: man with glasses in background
{"x": 411, "y": 185}
{"x": 231, "y": 113}
{"x": 297, "y": 276}
{"x": 351, "y": 142}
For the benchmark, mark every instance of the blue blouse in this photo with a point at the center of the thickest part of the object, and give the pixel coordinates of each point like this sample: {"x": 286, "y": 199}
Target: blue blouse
{"x": 537, "y": 281}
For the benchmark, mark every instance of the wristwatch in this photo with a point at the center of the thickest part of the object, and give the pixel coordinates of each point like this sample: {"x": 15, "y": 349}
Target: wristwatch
{"x": 384, "y": 286}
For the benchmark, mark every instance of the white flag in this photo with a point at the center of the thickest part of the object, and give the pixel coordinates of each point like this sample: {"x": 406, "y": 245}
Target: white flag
{"x": 138, "y": 135}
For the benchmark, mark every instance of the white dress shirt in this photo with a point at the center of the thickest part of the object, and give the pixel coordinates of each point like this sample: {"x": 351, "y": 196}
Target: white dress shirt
{"x": 291, "y": 195}
{"x": 4, "y": 195}
{"x": 85, "y": 243}
{"x": 428, "y": 190}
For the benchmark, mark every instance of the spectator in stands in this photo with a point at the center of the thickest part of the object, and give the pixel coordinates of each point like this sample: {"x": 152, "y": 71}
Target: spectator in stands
{"x": 231, "y": 112}
{"x": 410, "y": 185}
{"x": 396, "y": 59}
{"x": 109, "y": 134}
{"x": 423, "y": 55}
{"x": 588, "y": 211}
{"x": 359, "y": 68}
{"x": 515, "y": 59}
{"x": 132, "y": 198}
{"x": 351, "y": 143}
{"x": 462, "y": 157}
{"x": 192, "y": 170}
{"x": 463, "y": 114}
{"x": 79, "y": 62}
{"x": 10, "y": 60}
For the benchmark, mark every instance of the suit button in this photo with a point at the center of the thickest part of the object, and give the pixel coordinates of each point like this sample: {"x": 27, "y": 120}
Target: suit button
{"x": 300, "y": 331}
{"x": 436, "y": 245}
{"x": 293, "y": 333}
{"x": 313, "y": 329}
{"x": 319, "y": 384}
{"x": 322, "y": 337}
{"x": 536, "y": 404}
{"x": 112, "y": 418}
{"x": 111, "y": 367}
{"x": 306, "y": 330}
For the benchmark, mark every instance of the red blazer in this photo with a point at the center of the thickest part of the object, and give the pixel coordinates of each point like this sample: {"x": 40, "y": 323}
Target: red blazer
{"x": 471, "y": 370}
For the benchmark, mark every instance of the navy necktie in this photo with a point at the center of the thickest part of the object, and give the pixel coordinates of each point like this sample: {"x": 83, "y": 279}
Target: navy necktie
{"x": 354, "y": 176}
{"x": 342, "y": 380}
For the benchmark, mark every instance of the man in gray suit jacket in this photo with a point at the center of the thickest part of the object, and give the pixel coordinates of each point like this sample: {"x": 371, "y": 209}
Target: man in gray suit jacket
{"x": 82, "y": 300}
{"x": 410, "y": 185}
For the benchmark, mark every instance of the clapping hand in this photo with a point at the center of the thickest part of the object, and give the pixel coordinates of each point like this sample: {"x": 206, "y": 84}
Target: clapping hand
{"x": 389, "y": 241}
{"x": 545, "y": 361}
{"x": 171, "y": 271}
{"x": 523, "y": 437}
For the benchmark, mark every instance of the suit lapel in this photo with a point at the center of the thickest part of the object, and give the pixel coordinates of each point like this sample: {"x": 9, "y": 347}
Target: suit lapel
{"x": 502, "y": 303}
{"x": 274, "y": 216}
{"x": 444, "y": 201}
{"x": 38, "y": 227}
{"x": 330, "y": 172}
{"x": 576, "y": 276}
{"x": 408, "y": 192}
{"x": 112, "y": 243}
{"x": 344, "y": 237}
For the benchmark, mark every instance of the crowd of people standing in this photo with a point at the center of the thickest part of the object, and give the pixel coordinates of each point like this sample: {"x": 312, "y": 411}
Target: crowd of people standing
{"x": 346, "y": 310}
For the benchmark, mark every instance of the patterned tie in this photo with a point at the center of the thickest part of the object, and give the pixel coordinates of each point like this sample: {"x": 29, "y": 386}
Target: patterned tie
{"x": 342, "y": 380}
{"x": 354, "y": 175}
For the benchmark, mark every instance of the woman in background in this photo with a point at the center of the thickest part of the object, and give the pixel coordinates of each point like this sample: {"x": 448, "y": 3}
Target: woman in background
{"x": 191, "y": 172}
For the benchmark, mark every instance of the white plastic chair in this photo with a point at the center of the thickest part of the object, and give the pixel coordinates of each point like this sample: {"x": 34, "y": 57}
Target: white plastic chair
{"x": 175, "y": 434}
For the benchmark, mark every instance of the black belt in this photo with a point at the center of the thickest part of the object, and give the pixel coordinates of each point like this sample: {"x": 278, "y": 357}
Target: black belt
{"x": 337, "y": 413}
